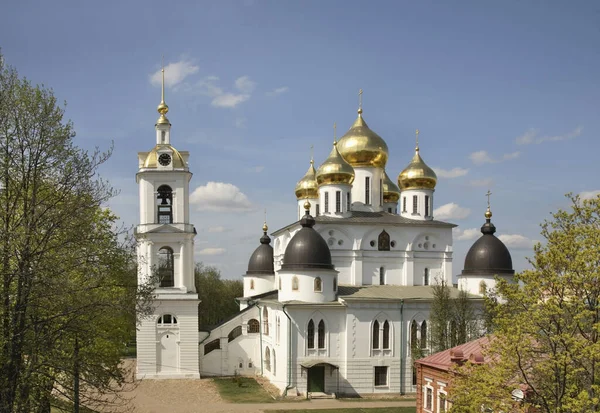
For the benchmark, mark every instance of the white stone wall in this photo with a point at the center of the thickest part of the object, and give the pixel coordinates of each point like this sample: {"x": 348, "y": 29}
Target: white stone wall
{"x": 331, "y": 190}
{"x": 261, "y": 283}
{"x": 306, "y": 286}
{"x": 420, "y": 194}
{"x": 183, "y": 355}
{"x": 149, "y": 182}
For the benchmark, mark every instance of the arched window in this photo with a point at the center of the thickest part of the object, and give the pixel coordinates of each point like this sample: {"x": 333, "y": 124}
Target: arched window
{"x": 413, "y": 334}
{"x": 321, "y": 332}
{"x": 426, "y": 276}
{"x": 267, "y": 359}
{"x": 383, "y": 242}
{"x": 274, "y": 363}
{"x": 310, "y": 334}
{"x": 253, "y": 326}
{"x": 318, "y": 285}
{"x": 376, "y": 334}
{"x": 166, "y": 269}
{"x": 482, "y": 287}
{"x": 381, "y": 276}
{"x": 424, "y": 334}
{"x": 265, "y": 321}
{"x": 386, "y": 335}
{"x": 252, "y": 283}
{"x": 334, "y": 284}
{"x": 167, "y": 320}
{"x": 213, "y": 345}
{"x": 165, "y": 204}
{"x": 235, "y": 333}
{"x": 294, "y": 283}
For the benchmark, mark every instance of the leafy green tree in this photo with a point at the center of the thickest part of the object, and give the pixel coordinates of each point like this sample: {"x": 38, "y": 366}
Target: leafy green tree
{"x": 217, "y": 296}
{"x": 547, "y": 331}
{"x": 68, "y": 289}
{"x": 452, "y": 319}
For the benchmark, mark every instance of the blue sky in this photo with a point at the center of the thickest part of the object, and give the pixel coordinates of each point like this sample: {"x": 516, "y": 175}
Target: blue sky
{"x": 506, "y": 96}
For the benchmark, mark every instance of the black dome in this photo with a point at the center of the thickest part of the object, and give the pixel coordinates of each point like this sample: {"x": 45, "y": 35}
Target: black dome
{"x": 261, "y": 261}
{"x": 488, "y": 255}
{"x": 307, "y": 249}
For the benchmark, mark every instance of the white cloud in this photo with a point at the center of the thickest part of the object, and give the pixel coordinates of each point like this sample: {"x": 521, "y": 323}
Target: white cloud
{"x": 517, "y": 241}
{"x": 175, "y": 73}
{"x": 589, "y": 194}
{"x": 487, "y": 182}
{"x": 278, "y": 91}
{"x": 467, "y": 234}
{"x": 451, "y": 211}
{"x": 531, "y": 136}
{"x": 209, "y": 86}
{"x": 212, "y": 251}
{"x": 220, "y": 196}
{"x": 452, "y": 173}
{"x": 244, "y": 84}
{"x": 229, "y": 100}
{"x": 482, "y": 157}
{"x": 216, "y": 229}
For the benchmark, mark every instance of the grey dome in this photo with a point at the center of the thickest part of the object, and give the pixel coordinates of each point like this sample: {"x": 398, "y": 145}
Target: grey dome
{"x": 261, "y": 261}
{"x": 488, "y": 255}
{"x": 307, "y": 249}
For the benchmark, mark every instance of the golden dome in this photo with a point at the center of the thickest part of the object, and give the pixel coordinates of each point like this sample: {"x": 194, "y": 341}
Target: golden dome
{"x": 335, "y": 170}
{"x": 417, "y": 175}
{"x": 391, "y": 192}
{"x": 152, "y": 157}
{"x": 307, "y": 187}
{"x": 360, "y": 146}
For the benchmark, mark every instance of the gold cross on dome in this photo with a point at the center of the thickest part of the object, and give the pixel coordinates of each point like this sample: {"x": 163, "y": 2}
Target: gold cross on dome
{"x": 334, "y": 133}
{"x": 417, "y": 137}
{"x": 360, "y": 92}
{"x": 311, "y": 153}
{"x": 488, "y": 197}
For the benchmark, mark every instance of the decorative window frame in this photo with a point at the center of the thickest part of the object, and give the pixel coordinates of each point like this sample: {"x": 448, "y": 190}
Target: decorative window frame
{"x": 428, "y": 386}
{"x": 381, "y": 318}
{"x": 318, "y": 285}
{"x": 441, "y": 393}
{"x": 317, "y": 351}
{"x": 295, "y": 283}
{"x": 387, "y": 377}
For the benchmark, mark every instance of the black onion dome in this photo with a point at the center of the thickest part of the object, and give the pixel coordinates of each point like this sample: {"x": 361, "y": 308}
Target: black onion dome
{"x": 307, "y": 249}
{"x": 261, "y": 261}
{"x": 488, "y": 255}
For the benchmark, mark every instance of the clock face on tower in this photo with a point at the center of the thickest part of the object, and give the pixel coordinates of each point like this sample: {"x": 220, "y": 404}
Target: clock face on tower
{"x": 164, "y": 159}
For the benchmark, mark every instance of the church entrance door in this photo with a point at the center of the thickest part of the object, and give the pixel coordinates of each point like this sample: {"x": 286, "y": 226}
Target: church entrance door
{"x": 316, "y": 379}
{"x": 168, "y": 361}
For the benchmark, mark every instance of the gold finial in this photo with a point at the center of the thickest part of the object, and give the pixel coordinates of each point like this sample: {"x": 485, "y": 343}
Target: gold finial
{"x": 162, "y": 107}
{"x": 265, "y": 228}
{"x": 360, "y": 92}
{"x": 334, "y": 133}
{"x": 312, "y": 159}
{"x": 307, "y": 205}
{"x": 417, "y": 140}
{"x": 488, "y": 212}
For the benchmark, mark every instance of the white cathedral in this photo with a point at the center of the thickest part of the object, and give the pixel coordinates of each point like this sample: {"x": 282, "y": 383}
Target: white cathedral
{"x": 334, "y": 306}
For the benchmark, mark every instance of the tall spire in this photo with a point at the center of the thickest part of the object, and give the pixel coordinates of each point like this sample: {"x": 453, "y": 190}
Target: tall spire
{"x": 265, "y": 228}
{"x": 162, "y": 107}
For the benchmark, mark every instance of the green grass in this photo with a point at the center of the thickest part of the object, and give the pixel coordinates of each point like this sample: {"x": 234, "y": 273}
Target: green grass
{"x": 351, "y": 410}
{"x": 242, "y": 390}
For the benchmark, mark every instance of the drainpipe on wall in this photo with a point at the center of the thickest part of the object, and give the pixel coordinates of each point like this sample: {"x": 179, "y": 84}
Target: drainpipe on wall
{"x": 289, "y": 375}
{"x": 401, "y": 346}
{"x": 260, "y": 332}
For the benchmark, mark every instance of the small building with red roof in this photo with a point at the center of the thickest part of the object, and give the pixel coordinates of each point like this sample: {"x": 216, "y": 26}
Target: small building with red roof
{"x": 433, "y": 374}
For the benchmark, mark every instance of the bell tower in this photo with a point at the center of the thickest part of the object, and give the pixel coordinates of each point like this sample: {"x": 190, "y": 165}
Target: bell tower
{"x": 167, "y": 341}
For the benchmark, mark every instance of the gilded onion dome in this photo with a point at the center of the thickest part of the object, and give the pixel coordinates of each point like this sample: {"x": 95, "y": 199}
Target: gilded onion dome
{"x": 417, "y": 175}
{"x": 335, "y": 170}
{"x": 391, "y": 192}
{"x": 307, "y": 187}
{"x": 360, "y": 146}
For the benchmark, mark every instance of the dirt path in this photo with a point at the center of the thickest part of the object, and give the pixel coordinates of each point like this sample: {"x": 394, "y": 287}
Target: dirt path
{"x": 202, "y": 396}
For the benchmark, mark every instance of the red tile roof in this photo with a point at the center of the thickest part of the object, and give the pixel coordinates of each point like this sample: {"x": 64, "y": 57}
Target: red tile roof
{"x": 443, "y": 359}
